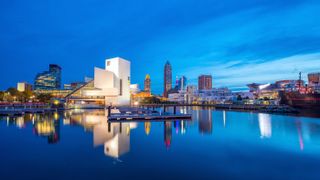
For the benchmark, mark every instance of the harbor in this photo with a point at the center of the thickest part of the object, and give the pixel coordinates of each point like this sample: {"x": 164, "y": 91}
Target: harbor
{"x": 86, "y": 139}
{"x": 244, "y": 107}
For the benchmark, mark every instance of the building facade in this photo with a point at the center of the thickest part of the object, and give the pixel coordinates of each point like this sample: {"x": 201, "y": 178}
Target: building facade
{"x": 314, "y": 78}
{"x": 48, "y": 80}
{"x": 167, "y": 78}
{"x": 182, "y": 83}
{"x": 147, "y": 84}
{"x": 24, "y": 86}
{"x": 314, "y": 81}
{"x": 110, "y": 86}
{"x": 205, "y": 82}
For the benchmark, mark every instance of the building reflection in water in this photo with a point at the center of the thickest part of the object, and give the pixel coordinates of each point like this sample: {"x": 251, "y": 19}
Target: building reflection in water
{"x": 301, "y": 142}
{"x": 179, "y": 126}
{"x": 265, "y": 125}
{"x": 47, "y": 126}
{"x": 115, "y": 137}
{"x": 167, "y": 133}
{"x": 147, "y": 127}
{"x": 205, "y": 121}
{"x": 224, "y": 118}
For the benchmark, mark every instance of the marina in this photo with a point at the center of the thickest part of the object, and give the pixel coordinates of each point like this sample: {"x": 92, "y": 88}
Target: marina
{"x": 93, "y": 145}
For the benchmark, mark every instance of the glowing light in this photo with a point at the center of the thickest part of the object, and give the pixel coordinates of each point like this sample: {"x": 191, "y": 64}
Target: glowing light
{"x": 147, "y": 127}
{"x": 264, "y": 86}
{"x": 136, "y": 103}
{"x": 56, "y": 116}
{"x": 56, "y": 102}
{"x": 265, "y": 125}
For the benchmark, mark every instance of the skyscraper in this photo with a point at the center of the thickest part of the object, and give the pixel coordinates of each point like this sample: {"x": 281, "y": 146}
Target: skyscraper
{"x": 167, "y": 78}
{"x": 48, "y": 80}
{"x": 205, "y": 82}
{"x": 147, "y": 84}
{"x": 182, "y": 83}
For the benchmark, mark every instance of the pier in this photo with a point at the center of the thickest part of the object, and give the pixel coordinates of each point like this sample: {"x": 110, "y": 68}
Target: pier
{"x": 21, "y": 109}
{"x": 243, "y": 107}
{"x": 139, "y": 114}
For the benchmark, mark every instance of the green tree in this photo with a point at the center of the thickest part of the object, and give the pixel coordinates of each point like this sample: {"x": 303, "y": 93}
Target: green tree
{"x": 266, "y": 98}
{"x": 45, "y": 98}
{"x": 1, "y": 95}
{"x": 13, "y": 91}
{"x": 239, "y": 98}
{"x": 27, "y": 94}
{"x": 151, "y": 100}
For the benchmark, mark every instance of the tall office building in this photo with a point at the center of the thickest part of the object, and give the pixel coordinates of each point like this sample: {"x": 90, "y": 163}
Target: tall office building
{"x": 182, "y": 83}
{"x": 48, "y": 80}
{"x": 205, "y": 82}
{"x": 167, "y": 79}
{"x": 147, "y": 84}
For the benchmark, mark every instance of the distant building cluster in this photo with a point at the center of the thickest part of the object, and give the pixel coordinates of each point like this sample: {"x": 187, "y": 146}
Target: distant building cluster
{"x": 112, "y": 85}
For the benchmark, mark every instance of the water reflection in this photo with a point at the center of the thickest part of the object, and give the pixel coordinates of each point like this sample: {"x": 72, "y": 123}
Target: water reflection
{"x": 265, "y": 125}
{"x": 115, "y": 138}
{"x": 167, "y": 133}
{"x": 48, "y": 128}
{"x": 147, "y": 127}
{"x": 205, "y": 121}
{"x": 224, "y": 118}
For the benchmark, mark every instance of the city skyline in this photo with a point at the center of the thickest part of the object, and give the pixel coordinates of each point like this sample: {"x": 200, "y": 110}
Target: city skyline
{"x": 236, "y": 42}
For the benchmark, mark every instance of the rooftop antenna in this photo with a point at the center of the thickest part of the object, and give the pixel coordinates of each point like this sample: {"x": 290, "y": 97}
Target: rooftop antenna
{"x": 299, "y": 80}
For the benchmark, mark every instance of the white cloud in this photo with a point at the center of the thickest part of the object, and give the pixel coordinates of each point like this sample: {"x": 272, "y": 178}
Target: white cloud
{"x": 263, "y": 72}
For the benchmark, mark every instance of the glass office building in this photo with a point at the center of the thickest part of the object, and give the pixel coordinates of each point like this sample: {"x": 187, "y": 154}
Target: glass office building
{"x": 48, "y": 80}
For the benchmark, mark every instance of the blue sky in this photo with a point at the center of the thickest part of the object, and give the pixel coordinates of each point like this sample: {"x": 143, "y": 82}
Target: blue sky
{"x": 238, "y": 42}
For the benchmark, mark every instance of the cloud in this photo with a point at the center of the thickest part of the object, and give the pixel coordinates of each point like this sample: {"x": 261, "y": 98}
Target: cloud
{"x": 234, "y": 76}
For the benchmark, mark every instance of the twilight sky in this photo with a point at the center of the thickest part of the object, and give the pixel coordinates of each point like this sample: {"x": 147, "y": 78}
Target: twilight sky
{"x": 238, "y": 42}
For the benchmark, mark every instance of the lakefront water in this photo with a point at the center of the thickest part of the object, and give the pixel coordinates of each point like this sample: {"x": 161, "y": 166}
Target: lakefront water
{"x": 215, "y": 144}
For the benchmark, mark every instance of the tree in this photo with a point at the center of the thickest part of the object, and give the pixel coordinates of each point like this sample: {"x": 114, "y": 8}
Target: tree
{"x": 150, "y": 100}
{"x": 1, "y": 95}
{"x": 27, "y": 94}
{"x": 13, "y": 91}
{"x": 239, "y": 98}
{"x": 44, "y": 97}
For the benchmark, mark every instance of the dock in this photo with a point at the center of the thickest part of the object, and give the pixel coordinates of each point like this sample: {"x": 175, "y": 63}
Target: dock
{"x": 15, "y": 112}
{"x": 148, "y": 117}
{"x": 240, "y": 107}
{"x": 140, "y": 114}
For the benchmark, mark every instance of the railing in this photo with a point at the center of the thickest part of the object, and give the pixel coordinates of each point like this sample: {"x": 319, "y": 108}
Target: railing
{"x": 23, "y": 105}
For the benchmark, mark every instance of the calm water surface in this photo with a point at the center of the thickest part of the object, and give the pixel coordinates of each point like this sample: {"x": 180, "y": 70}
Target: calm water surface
{"x": 213, "y": 145}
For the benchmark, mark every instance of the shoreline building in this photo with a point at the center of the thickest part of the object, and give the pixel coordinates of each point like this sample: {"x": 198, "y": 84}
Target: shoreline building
{"x": 167, "y": 79}
{"x": 205, "y": 82}
{"x": 24, "y": 86}
{"x": 110, "y": 86}
{"x": 182, "y": 83}
{"x": 147, "y": 84}
{"x": 314, "y": 81}
{"x": 48, "y": 80}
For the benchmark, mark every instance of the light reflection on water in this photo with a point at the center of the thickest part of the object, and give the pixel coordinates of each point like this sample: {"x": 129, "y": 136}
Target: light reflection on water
{"x": 215, "y": 132}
